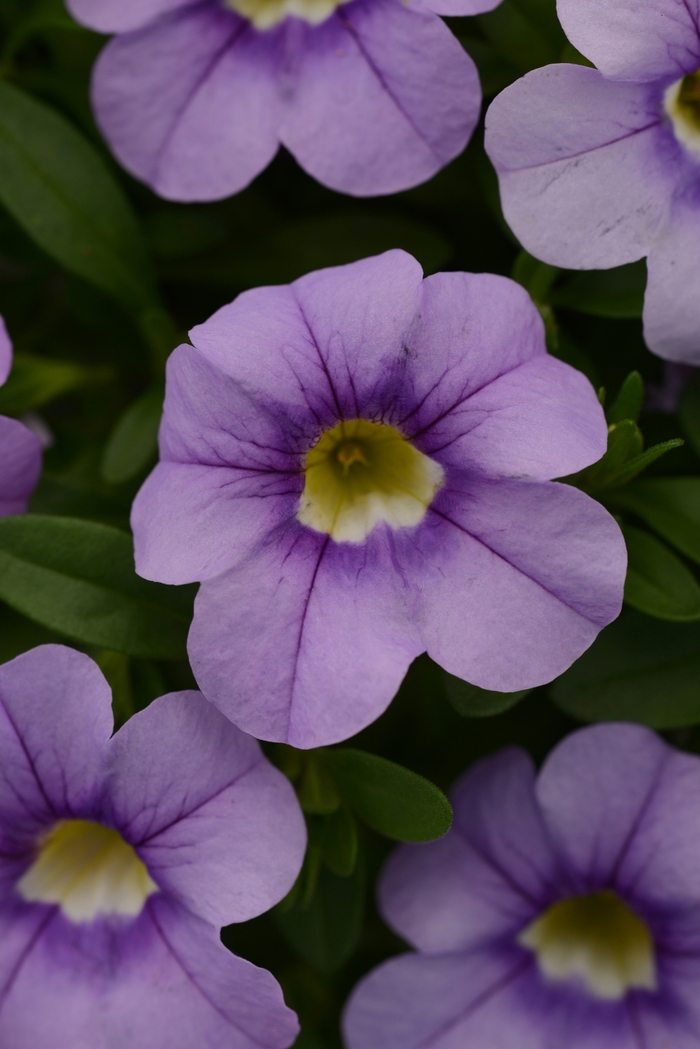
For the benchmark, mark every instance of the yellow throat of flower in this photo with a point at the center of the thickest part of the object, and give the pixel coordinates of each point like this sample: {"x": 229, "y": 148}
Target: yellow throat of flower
{"x": 596, "y": 938}
{"x": 682, "y": 105}
{"x": 87, "y": 869}
{"x": 362, "y": 473}
{"x": 264, "y": 14}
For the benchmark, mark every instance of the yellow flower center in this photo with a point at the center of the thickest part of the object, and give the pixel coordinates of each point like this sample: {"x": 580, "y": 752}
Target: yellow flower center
{"x": 360, "y": 474}
{"x": 596, "y": 938}
{"x": 88, "y": 870}
{"x": 264, "y": 14}
{"x": 682, "y": 105}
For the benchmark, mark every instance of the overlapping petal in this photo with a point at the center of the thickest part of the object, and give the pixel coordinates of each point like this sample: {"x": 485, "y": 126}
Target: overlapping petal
{"x": 672, "y": 300}
{"x": 5, "y": 353}
{"x": 20, "y": 466}
{"x": 120, "y": 16}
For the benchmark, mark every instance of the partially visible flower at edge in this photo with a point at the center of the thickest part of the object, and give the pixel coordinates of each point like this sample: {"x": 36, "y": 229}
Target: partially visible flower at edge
{"x": 357, "y": 468}
{"x": 20, "y": 449}
{"x": 196, "y": 96}
{"x": 120, "y": 859}
{"x": 561, "y": 909}
{"x": 600, "y": 167}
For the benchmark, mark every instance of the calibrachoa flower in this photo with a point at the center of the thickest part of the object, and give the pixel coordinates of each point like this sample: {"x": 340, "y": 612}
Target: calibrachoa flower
{"x": 357, "y": 467}
{"x": 20, "y": 449}
{"x": 560, "y": 910}
{"x": 599, "y": 167}
{"x": 119, "y": 860}
{"x": 196, "y": 96}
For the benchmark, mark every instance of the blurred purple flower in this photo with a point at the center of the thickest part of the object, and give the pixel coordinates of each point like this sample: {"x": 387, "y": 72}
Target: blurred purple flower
{"x": 195, "y": 96}
{"x": 357, "y": 466}
{"x": 119, "y": 860}
{"x": 599, "y": 167}
{"x": 560, "y": 910}
{"x": 20, "y": 449}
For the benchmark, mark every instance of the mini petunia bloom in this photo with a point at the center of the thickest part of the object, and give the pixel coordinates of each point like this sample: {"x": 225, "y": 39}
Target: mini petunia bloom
{"x": 120, "y": 859}
{"x": 196, "y": 96}
{"x": 357, "y": 467}
{"x": 20, "y": 449}
{"x": 561, "y": 909}
{"x": 600, "y": 167}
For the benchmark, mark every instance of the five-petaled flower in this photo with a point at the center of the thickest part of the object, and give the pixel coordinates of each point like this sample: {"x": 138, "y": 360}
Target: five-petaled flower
{"x": 357, "y": 466}
{"x": 599, "y": 167}
{"x": 196, "y": 96}
{"x": 121, "y": 858}
{"x": 560, "y": 910}
{"x": 20, "y": 449}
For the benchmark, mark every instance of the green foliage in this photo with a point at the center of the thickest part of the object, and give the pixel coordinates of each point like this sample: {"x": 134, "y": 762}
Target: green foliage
{"x": 133, "y": 443}
{"x": 616, "y": 293}
{"x": 473, "y": 702}
{"x": 670, "y": 505}
{"x": 658, "y": 582}
{"x": 36, "y": 381}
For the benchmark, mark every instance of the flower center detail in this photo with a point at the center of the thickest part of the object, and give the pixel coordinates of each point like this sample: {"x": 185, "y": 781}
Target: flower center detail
{"x": 264, "y": 14}
{"x": 682, "y": 104}
{"x": 88, "y": 870}
{"x": 596, "y": 938}
{"x": 361, "y": 473}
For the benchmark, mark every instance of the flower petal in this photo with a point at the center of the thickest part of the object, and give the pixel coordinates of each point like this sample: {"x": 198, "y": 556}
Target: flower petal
{"x": 20, "y": 466}
{"x": 215, "y": 823}
{"x": 5, "y": 353}
{"x": 452, "y": 8}
{"x": 55, "y": 723}
{"x": 120, "y": 16}
{"x": 488, "y": 877}
{"x": 383, "y": 97}
{"x": 189, "y": 104}
{"x": 307, "y": 641}
{"x": 672, "y": 301}
{"x": 517, "y": 579}
{"x": 584, "y": 182}
{"x": 632, "y": 40}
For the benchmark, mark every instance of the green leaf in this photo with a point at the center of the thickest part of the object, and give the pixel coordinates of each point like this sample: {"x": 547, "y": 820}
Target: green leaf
{"x": 326, "y": 931}
{"x": 388, "y": 797}
{"x": 628, "y": 403}
{"x": 335, "y": 835}
{"x": 623, "y": 460}
{"x": 473, "y": 702}
{"x": 35, "y": 381}
{"x": 617, "y": 293}
{"x": 658, "y": 582}
{"x": 133, "y": 442}
{"x": 78, "y": 578}
{"x": 638, "y": 669}
{"x": 59, "y": 189}
{"x": 535, "y": 276}
{"x": 526, "y": 32}
{"x": 670, "y": 505}
{"x": 689, "y": 411}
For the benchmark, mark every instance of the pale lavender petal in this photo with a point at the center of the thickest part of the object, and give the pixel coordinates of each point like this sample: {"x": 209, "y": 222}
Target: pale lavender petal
{"x": 452, "y": 8}
{"x": 383, "y": 97}
{"x": 162, "y": 981}
{"x": 485, "y": 400}
{"x": 190, "y": 104}
{"x": 20, "y": 466}
{"x": 494, "y": 610}
{"x": 307, "y": 641}
{"x": 672, "y": 301}
{"x": 635, "y": 39}
{"x": 5, "y": 353}
{"x": 583, "y": 181}
{"x": 120, "y": 16}
{"x": 488, "y": 877}
{"x": 55, "y": 723}
{"x": 218, "y": 827}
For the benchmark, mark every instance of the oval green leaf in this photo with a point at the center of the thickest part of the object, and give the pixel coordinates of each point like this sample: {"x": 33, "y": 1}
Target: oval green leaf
{"x": 133, "y": 442}
{"x": 473, "y": 702}
{"x": 658, "y": 582}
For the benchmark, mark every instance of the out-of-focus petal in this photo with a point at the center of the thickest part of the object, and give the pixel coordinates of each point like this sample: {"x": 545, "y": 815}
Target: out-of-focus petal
{"x": 218, "y": 827}
{"x": 20, "y": 466}
{"x": 5, "y": 353}
{"x": 583, "y": 181}
{"x": 307, "y": 641}
{"x": 488, "y": 877}
{"x": 121, "y": 16}
{"x": 189, "y": 105}
{"x": 383, "y": 96}
{"x": 672, "y": 300}
{"x": 453, "y": 8}
{"x": 633, "y": 40}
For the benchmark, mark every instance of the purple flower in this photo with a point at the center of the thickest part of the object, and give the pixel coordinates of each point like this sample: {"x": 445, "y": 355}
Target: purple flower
{"x": 599, "y": 167}
{"x": 119, "y": 860}
{"x": 195, "y": 96}
{"x": 560, "y": 909}
{"x": 20, "y": 449}
{"x": 357, "y": 467}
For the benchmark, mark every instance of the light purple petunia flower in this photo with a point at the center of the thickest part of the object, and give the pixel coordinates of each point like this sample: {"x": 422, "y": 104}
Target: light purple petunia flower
{"x": 357, "y": 466}
{"x": 20, "y": 449}
{"x": 121, "y": 858}
{"x": 196, "y": 96}
{"x": 560, "y": 910}
{"x": 599, "y": 167}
